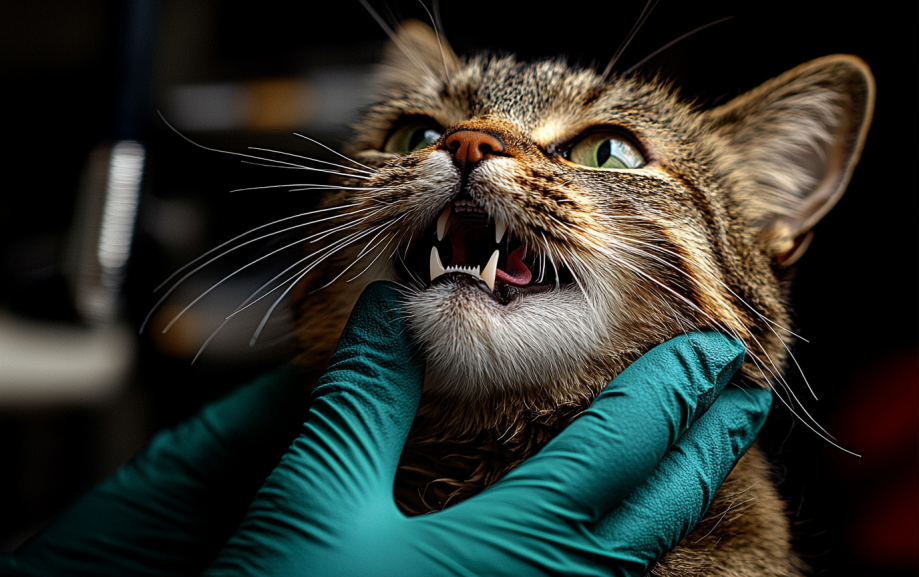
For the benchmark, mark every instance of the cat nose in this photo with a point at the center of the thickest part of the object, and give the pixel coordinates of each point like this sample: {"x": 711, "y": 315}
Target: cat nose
{"x": 471, "y": 146}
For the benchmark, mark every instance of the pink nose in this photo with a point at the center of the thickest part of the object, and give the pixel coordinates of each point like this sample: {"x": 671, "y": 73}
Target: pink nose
{"x": 471, "y": 146}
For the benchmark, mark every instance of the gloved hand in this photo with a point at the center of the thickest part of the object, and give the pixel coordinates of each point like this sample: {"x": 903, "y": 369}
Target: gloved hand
{"x": 614, "y": 491}
{"x": 609, "y": 495}
{"x": 171, "y": 508}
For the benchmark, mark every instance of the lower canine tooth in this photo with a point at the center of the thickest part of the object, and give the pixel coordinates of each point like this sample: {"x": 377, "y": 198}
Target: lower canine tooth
{"x": 437, "y": 267}
{"x": 488, "y": 275}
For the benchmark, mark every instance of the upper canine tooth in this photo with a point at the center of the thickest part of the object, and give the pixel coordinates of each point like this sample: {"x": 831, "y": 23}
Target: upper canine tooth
{"x": 443, "y": 222}
{"x": 500, "y": 228}
{"x": 488, "y": 275}
{"x": 437, "y": 267}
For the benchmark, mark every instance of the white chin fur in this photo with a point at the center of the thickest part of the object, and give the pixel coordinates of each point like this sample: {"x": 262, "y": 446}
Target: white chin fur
{"x": 475, "y": 346}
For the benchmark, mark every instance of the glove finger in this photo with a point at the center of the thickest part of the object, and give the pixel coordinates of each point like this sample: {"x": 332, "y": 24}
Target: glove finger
{"x": 363, "y": 405}
{"x": 669, "y": 504}
{"x": 610, "y": 449}
{"x": 340, "y": 470}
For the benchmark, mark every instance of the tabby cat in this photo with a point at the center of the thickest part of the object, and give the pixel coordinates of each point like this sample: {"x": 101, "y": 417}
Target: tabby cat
{"x": 549, "y": 225}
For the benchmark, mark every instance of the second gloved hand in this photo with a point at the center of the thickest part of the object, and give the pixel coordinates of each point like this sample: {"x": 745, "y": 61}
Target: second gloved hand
{"x": 621, "y": 485}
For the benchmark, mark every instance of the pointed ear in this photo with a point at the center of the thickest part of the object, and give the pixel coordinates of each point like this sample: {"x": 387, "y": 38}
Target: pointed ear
{"x": 415, "y": 53}
{"x": 794, "y": 142}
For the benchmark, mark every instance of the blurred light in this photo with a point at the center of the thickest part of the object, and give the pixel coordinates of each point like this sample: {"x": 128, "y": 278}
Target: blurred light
{"x": 325, "y": 99}
{"x": 57, "y": 364}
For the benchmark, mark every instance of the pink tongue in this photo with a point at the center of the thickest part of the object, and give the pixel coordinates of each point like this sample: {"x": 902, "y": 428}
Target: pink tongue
{"x": 517, "y": 273}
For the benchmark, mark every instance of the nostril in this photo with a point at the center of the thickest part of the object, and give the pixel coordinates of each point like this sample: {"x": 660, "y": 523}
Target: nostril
{"x": 471, "y": 146}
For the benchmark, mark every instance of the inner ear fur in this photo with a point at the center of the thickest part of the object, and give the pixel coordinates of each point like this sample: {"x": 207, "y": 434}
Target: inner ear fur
{"x": 793, "y": 142}
{"x": 416, "y": 54}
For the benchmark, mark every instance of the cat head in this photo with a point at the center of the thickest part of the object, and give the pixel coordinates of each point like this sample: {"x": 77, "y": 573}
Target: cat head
{"x": 599, "y": 216}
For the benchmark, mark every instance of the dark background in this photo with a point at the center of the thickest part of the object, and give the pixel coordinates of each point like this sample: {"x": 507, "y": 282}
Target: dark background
{"x": 77, "y": 74}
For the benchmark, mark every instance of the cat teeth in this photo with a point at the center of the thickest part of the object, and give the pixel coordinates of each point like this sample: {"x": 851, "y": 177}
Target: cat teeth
{"x": 469, "y": 206}
{"x": 437, "y": 267}
{"x": 443, "y": 223}
{"x": 471, "y": 270}
{"x": 488, "y": 275}
{"x": 500, "y": 229}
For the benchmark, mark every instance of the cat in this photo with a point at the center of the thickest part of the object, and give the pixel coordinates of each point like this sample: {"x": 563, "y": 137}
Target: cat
{"x": 548, "y": 224}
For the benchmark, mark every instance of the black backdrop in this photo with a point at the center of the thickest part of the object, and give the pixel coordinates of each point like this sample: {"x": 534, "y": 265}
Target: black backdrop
{"x": 855, "y": 293}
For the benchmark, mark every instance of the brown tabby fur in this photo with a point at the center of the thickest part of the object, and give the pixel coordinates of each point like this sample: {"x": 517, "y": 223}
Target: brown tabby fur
{"x": 697, "y": 239}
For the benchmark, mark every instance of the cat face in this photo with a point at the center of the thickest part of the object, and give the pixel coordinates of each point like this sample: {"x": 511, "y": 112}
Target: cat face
{"x": 549, "y": 225}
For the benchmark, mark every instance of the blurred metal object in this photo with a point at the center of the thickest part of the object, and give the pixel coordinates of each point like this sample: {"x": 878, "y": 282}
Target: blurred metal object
{"x": 104, "y": 228}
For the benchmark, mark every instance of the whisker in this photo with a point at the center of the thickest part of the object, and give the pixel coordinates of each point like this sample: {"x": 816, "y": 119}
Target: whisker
{"x": 374, "y": 259}
{"x": 292, "y": 285}
{"x": 281, "y": 163}
{"x": 777, "y": 374}
{"x": 396, "y": 40}
{"x": 329, "y": 250}
{"x": 671, "y": 43}
{"x": 439, "y": 43}
{"x": 735, "y": 295}
{"x": 549, "y": 251}
{"x": 291, "y": 166}
{"x": 335, "y": 164}
{"x": 226, "y": 278}
{"x": 237, "y": 271}
{"x": 223, "y": 254}
{"x": 309, "y": 184}
{"x": 333, "y": 151}
{"x": 360, "y": 255}
{"x": 235, "y": 238}
{"x": 649, "y": 7}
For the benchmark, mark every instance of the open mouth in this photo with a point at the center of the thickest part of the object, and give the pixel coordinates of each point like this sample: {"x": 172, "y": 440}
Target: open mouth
{"x": 467, "y": 244}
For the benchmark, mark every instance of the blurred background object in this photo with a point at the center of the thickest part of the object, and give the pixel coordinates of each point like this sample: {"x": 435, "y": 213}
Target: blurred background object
{"x": 102, "y": 202}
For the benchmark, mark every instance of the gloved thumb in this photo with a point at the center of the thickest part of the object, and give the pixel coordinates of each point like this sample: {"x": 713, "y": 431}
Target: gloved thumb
{"x": 364, "y": 404}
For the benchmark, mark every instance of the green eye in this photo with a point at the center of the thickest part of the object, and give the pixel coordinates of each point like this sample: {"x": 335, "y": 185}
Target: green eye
{"x": 605, "y": 150}
{"x": 413, "y": 136}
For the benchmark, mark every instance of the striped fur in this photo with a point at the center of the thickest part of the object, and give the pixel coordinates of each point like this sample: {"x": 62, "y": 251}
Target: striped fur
{"x": 696, "y": 239}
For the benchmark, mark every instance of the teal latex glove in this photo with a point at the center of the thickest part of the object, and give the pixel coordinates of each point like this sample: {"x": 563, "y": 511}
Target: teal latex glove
{"x": 170, "y": 509}
{"x": 614, "y": 491}
{"x": 327, "y": 508}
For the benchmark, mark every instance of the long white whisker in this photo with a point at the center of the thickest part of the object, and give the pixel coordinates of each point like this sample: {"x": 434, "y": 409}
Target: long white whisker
{"x": 237, "y": 271}
{"x": 335, "y": 164}
{"x": 223, "y": 254}
{"x": 367, "y": 248}
{"x": 335, "y": 152}
{"x": 292, "y": 285}
{"x": 243, "y": 155}
{"x": 226, "y": 278}
{"x": 396, "y": 40}
{"x": 649, "y": 7}
{"x": 777, "y": 374}
{"x": 443, "y": 57}
{"x": 770, "y": 323}
{"x": 249, "y": 302}
{"x": 291, "y": 166}
{"x": 671, "y": 43}
{"x": 235, "y": 238}
{"x": 391, "y": 238}
{"x": 552, "y": 260}
{"x": 309, "y": 184}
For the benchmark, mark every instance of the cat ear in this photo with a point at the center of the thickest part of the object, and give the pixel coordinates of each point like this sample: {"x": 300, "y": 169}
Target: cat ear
{"x": 794, "y": 142}
{"x": 414, "y": 54}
